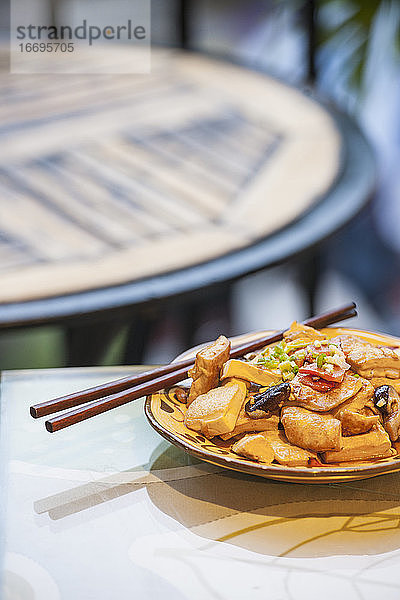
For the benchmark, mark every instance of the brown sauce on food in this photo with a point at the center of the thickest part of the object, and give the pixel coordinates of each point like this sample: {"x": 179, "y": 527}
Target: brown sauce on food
{"x": 359, "y": 432}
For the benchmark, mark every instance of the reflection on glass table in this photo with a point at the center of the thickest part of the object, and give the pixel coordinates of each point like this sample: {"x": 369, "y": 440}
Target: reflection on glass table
{"x": 107, "y": 508}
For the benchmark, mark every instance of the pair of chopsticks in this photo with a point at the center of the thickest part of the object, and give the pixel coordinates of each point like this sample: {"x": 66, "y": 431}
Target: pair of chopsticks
{"x": 100, "y": 399}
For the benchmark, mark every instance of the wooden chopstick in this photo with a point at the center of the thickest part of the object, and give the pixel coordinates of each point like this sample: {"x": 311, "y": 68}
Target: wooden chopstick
{"x": 154, "y": 380}
{"x": 114, "y": 387}
{"x": 106, "y": 389}
{"x": 319, "y": 321}
{"x": 104, "y": 404}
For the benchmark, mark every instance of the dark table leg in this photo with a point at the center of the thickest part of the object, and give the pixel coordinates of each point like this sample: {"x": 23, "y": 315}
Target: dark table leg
{"x": 207, "y": 316}
{"x": 183, "y": 8}
{"x": 138, "y": 334}
{"x": 199, "y": 318}
{"x": 309, "y": 269}
{"x": 309, "y": 14}
{"x": 87, "y": 343}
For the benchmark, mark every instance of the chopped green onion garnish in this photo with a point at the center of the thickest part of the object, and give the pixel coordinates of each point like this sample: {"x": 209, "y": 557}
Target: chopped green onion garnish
{"x": 284, "y": 357}
{"x": 287, "y": 376}
{"x": 299, "y": 355}
{"x": 268, "y": 362}
{"x": 285, "y": 366}
{"x": 271, "y": 363}
{"x": 295, "y": 345}
{"x": 278, "y": 351}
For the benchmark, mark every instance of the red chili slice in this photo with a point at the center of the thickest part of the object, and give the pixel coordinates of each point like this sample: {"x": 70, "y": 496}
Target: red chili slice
{"x": 319, "y": 385}
{"x": 336, "y": 376}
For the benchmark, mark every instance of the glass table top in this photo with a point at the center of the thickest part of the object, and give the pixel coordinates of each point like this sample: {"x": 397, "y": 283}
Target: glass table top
{"x": 108, "y": 509}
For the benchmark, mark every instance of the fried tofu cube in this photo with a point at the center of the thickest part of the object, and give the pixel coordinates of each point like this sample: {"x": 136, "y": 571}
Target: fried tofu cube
{"x": 256, "y": 447}
{"x": 245, "y": 424}
{"x": 369, "y": 360}
{"x": 305, "y": 396}
{"x": 366, "y": 446}
{"x": 310, "y": 430}
{"x": 298, "y": 331}
{"x": 208, "y": 363}
{"x": 249, "y": 372}
{"x": 354, "y": 422}
{"x": 216, "y": 411}
{"x": 286, "y": 453}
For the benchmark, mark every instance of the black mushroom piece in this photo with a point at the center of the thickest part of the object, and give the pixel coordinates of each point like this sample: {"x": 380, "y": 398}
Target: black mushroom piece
{"x": 387, "y": 400}
{"x": 269, "y": 400}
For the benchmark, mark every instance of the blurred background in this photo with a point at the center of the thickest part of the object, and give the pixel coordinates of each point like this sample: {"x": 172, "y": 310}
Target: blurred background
{"x": 352, "y": 59}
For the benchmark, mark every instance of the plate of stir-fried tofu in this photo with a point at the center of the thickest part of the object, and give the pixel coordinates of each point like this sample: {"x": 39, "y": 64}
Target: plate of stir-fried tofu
{"x": 320, "y": 405}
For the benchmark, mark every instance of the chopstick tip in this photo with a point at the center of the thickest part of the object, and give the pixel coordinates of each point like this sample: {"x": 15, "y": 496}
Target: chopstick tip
{"x": 49, "y": 426}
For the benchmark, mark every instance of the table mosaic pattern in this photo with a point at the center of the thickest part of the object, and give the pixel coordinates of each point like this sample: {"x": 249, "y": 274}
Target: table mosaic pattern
{"x": 107, "y": 179}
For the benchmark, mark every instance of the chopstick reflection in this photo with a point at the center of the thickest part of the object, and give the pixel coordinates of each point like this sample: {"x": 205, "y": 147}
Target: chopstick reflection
{"x": 229, "y": 507}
